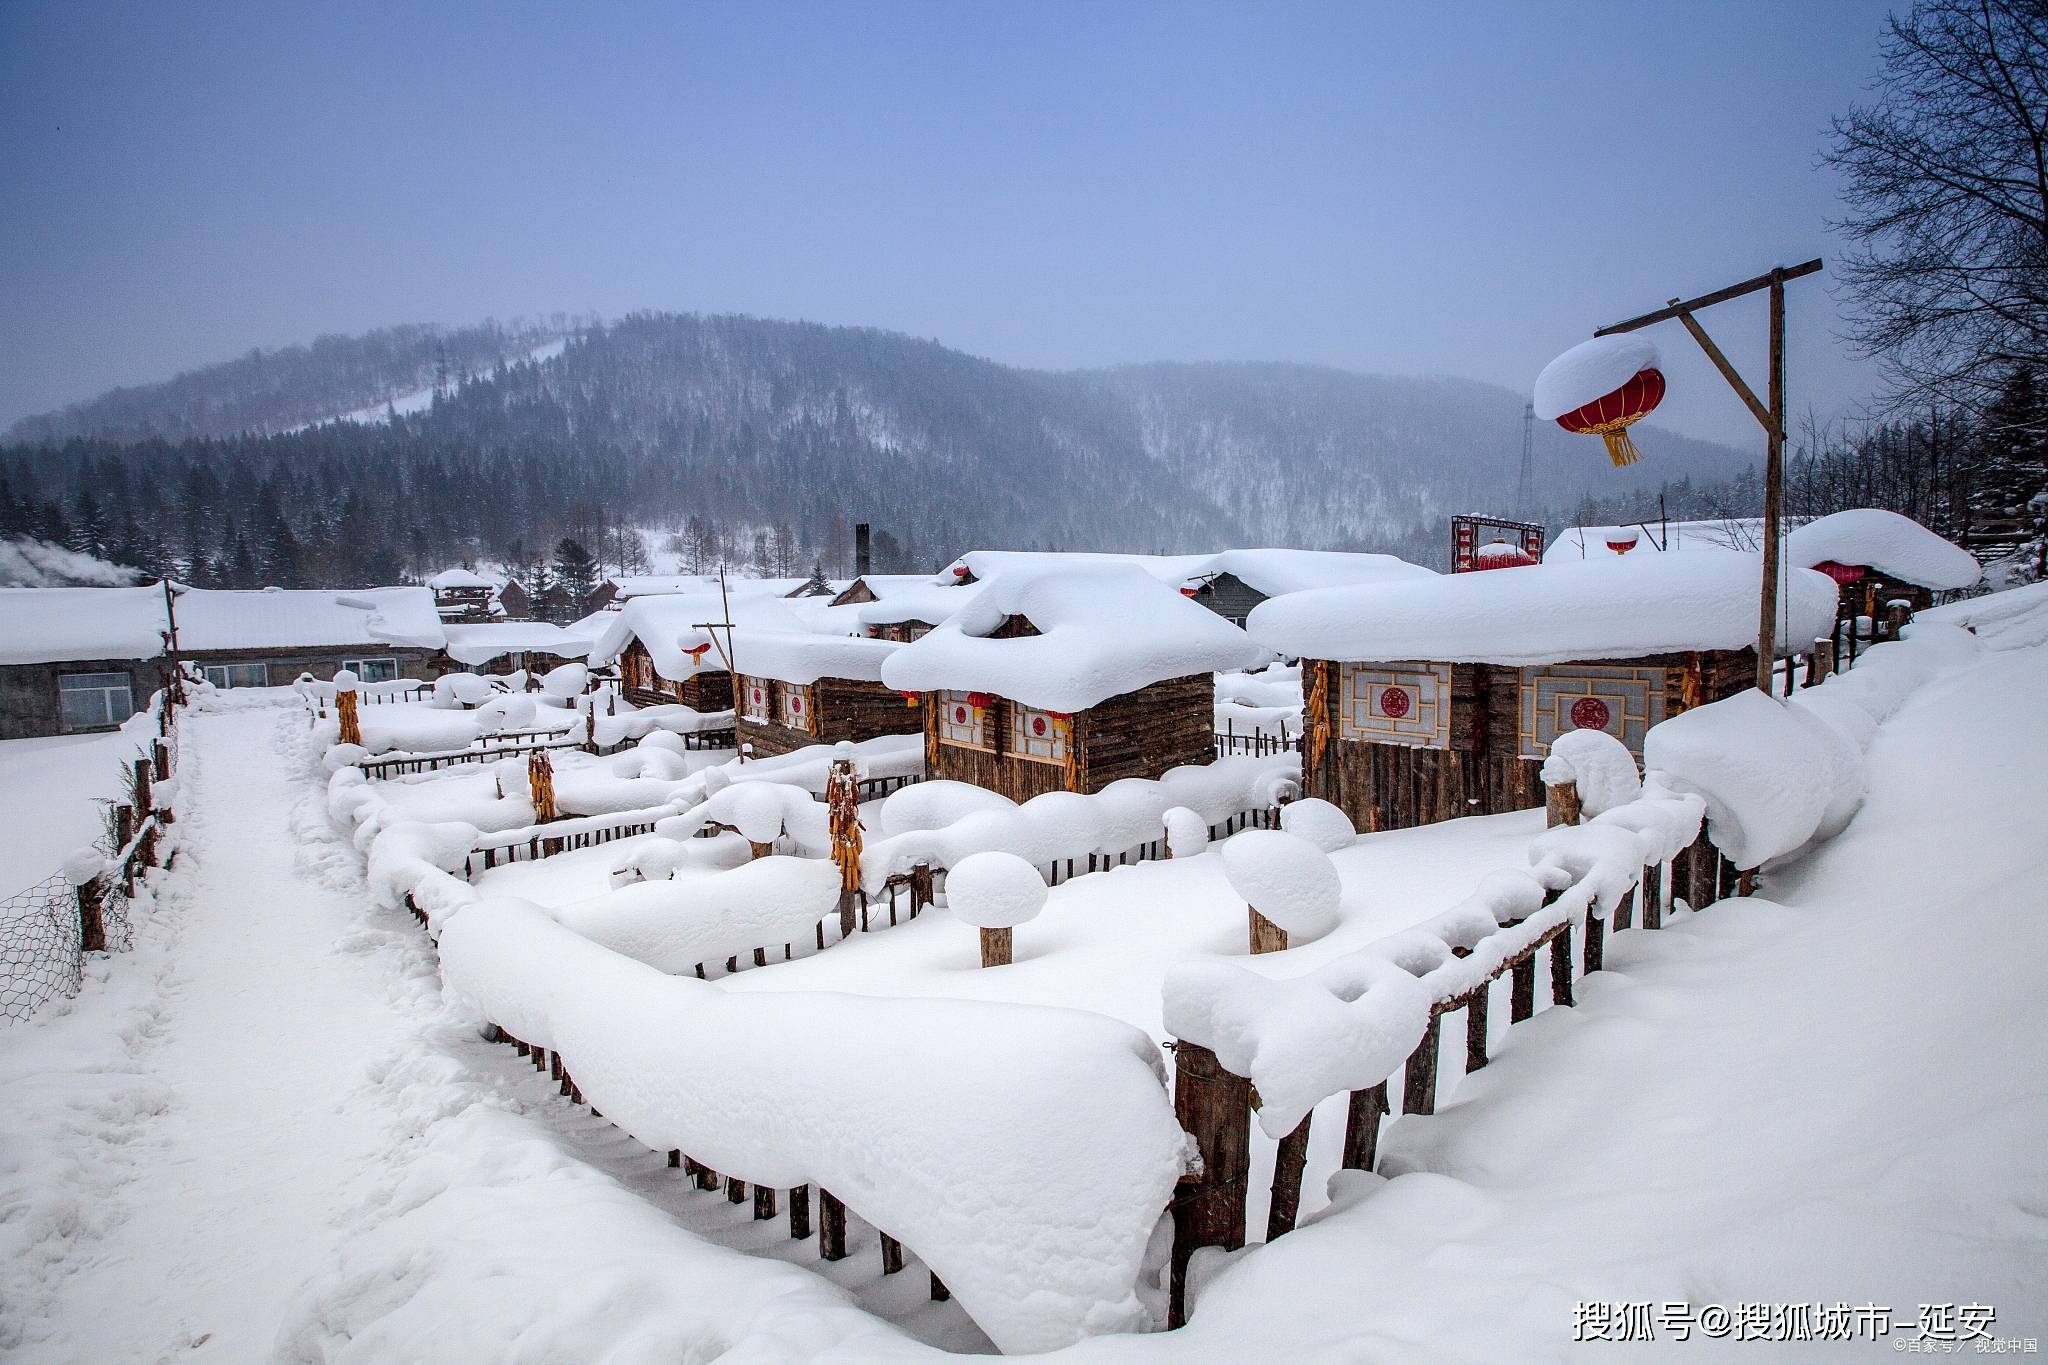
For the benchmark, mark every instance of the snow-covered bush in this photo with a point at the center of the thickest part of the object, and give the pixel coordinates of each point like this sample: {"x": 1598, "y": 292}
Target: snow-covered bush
{"x": 1319, "y": 822}
{"x": 1599, "y": 764}
{"x": 708, "y": 917}
{"x": 1285, "y": 878}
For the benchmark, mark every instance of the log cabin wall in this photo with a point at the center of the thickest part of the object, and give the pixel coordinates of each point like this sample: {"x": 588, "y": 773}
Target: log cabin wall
{"x": 1134, "y": 734}
{"x": 839, "y": 709}
{"x": 707, "y": 690}
{"x": 1482, "y": 770}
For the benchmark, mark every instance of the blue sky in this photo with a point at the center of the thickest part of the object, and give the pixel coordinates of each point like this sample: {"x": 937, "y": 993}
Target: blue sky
{"x": 1458, "y": 189}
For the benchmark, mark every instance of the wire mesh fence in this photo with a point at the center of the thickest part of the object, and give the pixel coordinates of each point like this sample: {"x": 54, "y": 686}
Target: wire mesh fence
{"x": 40, "y": 958}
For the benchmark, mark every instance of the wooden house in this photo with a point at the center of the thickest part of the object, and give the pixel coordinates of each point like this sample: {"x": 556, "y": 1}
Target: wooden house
{"x": 798, "y": 688}
{"x": 1878, "y": 557}
{"x": 1068, "y": 679}
{"x": 513, "y": 646}
{"x": 670, "y": 647}
{"x": 1433, "y": 699}
{"x": 515, "y": 601}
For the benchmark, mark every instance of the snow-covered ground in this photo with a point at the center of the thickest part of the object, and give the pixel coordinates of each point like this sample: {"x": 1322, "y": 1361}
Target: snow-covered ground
{"x": 51, "y": 791}
{"x": 262, "y": 1136}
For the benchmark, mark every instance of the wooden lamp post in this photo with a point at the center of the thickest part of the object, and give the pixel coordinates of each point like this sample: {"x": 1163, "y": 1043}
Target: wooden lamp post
{"x": 1771, "y": 414}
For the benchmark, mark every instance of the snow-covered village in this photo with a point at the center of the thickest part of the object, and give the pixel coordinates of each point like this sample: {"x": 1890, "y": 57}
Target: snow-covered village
{"x": 1118, "y": 683}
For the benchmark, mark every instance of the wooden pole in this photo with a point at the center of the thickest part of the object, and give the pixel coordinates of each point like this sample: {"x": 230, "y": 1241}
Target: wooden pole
{"x": 1266, "y": 936}
{"x": 1215, "y": 1108}
{"x": 764, "y": 1203}
{"x": 799, "y": 1213}
{"x": 1475, "y": 1028}
{"x": 92, "y": 924}
{"x": 831, "y": 1227}
{"x": 995, "y": 947}
{"x": 1288, "y": 1163}
{"x": 1774, "y": 489}
{"x": 1418, "y": 1089}
{"x": 1561, "y": 968}
{"x": 1561, "y": 804}
{"x": 1822, "y": 662}
{"x": 1362, "y": 1127}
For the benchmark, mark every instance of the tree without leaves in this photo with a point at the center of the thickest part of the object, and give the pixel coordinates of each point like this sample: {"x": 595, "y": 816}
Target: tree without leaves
{"x": 1947, "y": 178}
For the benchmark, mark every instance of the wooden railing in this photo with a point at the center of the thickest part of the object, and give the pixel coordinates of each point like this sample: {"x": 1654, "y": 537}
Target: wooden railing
{"x": 1258, "y": 743}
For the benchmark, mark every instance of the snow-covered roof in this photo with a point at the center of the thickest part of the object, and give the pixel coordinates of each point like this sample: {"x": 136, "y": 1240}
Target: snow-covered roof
{"x": 55, "y": 625}
{"x": 1895, "y": 546}
{"x": 1105, "y": 629}
{"x": 278, "y": 618}
{"x": 887, "y": 584}
{"x": 482, "y": 642}
{"x": 1548, "y": 613}
{"x": 806, "y": 656}
{"x": 1268, "y": 571}
{"x": 669, "y": 626}
{"x": 459, "y": 578}
{"x": 1575, "y": 543}
{"x": 660, "y": 585}
{"x": 929, "y": 602}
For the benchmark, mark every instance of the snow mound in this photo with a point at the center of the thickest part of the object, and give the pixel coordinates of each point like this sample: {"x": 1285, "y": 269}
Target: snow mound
{"x": 1289, "y": 880}
{"x": 674, "y": 926}
{"x": 1023, "y": 1152}
{"x": 1599, "y": 764}
{"x": 1186, "y": 832}
{"x": 934, "y": 805}
{"x": 1592, "y": 369}
{"x": 1319, "y": 822}
{"x": 995, "y": 890}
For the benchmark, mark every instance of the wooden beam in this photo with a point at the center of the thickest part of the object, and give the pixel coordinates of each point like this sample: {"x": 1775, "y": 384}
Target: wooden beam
{"x": 1728, "y": 371}
{"x": 1733, "y": 291}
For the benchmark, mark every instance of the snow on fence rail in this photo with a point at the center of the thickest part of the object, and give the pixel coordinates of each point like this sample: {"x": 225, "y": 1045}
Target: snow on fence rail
{"x": 47, "y": 929}
{"x": 948, "y": 1124}
{"x": 1752, "y": 775}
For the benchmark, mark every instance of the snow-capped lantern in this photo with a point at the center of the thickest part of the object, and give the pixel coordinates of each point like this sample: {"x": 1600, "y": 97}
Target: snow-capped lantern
{"x": 1622, "y": 539}
{"x": 1843, "y": 574}
{"x": 959, "y": 571}
{"x": 697, "y": 653}
{"x": 1599, "y": 387}
{"x": 1189, "y": 590}
{"x": 909, "y": 698}
{"x": 980, "y": 701}
{"x": 1501, "y": 555}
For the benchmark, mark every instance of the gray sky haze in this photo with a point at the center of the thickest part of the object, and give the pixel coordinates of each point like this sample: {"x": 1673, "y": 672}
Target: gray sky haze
{"x": 1457, "y": 189}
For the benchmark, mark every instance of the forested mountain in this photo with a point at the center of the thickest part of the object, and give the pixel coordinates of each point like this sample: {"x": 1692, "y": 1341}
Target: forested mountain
{"x": 723, "y": 428}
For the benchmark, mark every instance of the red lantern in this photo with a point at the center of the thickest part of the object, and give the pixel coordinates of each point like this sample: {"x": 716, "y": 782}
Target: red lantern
{"x": 909, "y": 698}
{"x": 1608, "y": 417}
{"x": 1189, "y": 592}
{"x": 1623, "y": 540}
{"x": 1501, "y": 555}
{"x": 959, "y": 571}
{"x": 980, "y": 701}
{"x": 1842, "y": 573}
{"x": 697, "y": 653}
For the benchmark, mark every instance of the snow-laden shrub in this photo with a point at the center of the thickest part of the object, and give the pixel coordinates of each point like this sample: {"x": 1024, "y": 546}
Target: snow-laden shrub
{"x": 995, "y": 890}
{"x": 1319, "y": 822}
{"x": 1599, "y": 764}
{"x": 1285, "y": 878}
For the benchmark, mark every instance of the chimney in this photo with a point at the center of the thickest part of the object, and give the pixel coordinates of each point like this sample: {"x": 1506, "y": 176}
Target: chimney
{"x": 861, "y": 560}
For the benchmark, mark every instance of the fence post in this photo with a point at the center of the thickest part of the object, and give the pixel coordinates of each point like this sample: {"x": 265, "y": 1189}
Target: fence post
{"x": 1896, "y": 613}
{"x": 1266, "y": 936}
{"x": 1362, "y": 1127}
{"x": 92, "y": 925}
{"x": 842, "y": 803}
{"x": 1418, "y": 1089}
{"x": 920, "y": 887}
{"x": 1561, "y": 804}
{"x": 995, "y": 947}
{"x": 1215, "y": 1108}
{"x": 1288, "y": 1162}
{"x": 831, "y": 1227}
{"x": 1821, "y": 662}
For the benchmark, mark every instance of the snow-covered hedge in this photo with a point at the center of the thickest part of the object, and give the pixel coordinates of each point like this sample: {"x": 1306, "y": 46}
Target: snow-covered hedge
{"x": 674, "y": 926}
{"x": 1023, "y": 1152}
{"x": 1059, "y": 825}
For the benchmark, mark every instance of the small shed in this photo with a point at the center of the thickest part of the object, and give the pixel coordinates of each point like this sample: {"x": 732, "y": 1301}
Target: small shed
{"x": 1878, "y": 557}
{"x": 1435, "y": 699}
{"x": 515, "y": 601}
{"x": 797, "y": 688}
{"x": 464, "y": 595}
{"x": 1068, "y": 679}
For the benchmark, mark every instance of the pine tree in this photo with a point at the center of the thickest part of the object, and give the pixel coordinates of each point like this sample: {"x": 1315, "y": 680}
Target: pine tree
{"x": 575, "y": 569}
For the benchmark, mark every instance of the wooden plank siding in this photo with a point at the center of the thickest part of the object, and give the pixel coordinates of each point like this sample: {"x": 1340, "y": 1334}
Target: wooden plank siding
{"x": 840, "y": 709}
{"x": 1134, "y": 734}
{"x": 707, "y": 690}
{"x": 1395, "y": 786}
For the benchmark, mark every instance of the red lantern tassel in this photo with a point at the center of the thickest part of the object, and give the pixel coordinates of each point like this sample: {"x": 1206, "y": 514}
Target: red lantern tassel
{"x": 1620, "y": 448}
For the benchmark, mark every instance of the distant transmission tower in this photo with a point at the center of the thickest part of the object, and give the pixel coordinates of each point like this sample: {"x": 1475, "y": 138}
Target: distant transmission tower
{"x": 1524, "y": 490}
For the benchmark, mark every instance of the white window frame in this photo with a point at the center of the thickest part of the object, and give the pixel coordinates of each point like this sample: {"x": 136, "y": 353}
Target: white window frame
{"x": 969, "y": 734}
{"x": 796, "y": 707}
{"x": 373, "y": 670}
{"x": 759, "y": 710}
{"x": 1051, "y": 747}
{"x": 224, "y": 675}
{"x": 110, "y": 693}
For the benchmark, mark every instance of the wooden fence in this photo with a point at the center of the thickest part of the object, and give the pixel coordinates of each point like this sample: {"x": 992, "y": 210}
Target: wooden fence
{"x": 1231, "y": 740}
{"x": 1216, "y": 1106}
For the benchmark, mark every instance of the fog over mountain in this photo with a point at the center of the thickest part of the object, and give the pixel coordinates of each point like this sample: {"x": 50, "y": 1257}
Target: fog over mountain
{"x": 488, "y": 441}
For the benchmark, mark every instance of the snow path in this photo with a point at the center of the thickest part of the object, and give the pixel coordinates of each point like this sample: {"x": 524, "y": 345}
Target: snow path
{"x": 254, "y": 1064}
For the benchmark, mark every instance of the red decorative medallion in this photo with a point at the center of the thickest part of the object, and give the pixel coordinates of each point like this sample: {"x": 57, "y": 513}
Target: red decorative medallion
{"x": 1590, "y": 713}
{"x": 959, "y": 715}
{"x": 1038, "y": 726}
{"x": 1394, "y": 702}
{"x": 796, "y": 705}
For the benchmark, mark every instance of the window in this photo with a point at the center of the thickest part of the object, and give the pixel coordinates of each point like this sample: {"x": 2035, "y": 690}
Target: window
{"x": 1625, "y": 702}
{"x": 1398, "y": 703}
{"x": 1042, "y": 736}
{"x": 793, "y": 707}
{"x": 94, "y": 701}
{"x": 753, "y": 699}
{"x": 960, "y": 721}
{"x": 238, "y": 675}
{"x": 372, "y": 670}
